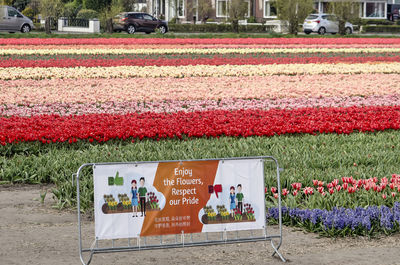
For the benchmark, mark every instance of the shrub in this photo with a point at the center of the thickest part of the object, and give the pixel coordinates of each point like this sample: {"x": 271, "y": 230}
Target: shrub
{"x": 251, "y": 19}
{"x": 87, "y": 14}
{"x": 216, "y": 28}
{"x": 71, "y": 9}
{"x": 28, "y": 12}
{"x": 376, "y": 22}
{"x": 382, "y": 29}
{"x": 173, "y": 20}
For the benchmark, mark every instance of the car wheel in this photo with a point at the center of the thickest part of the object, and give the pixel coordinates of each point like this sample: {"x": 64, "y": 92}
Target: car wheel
{"x": 348, "y": 31}
{"x": 131, "y": 29}
{"x": 11, "y": 32}
{"x": 307, "y": 32}
{"x": 162, "y": 29}
{"x": 333, "y": 33}
{"x": 25, "y": 28}
{"x": 148, "y": 32}
{"x": 321, "y": 31}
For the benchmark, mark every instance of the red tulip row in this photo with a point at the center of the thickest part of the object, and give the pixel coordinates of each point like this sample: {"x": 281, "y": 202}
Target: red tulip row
{"x": 70, "y": 62}
{"x": 181, "y": 41}
{"x": 244, "y": 123}
{"x": 349, "y": 185}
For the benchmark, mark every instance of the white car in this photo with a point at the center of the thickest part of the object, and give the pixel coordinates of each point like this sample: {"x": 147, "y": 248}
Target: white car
{"x": 324, "y": 23}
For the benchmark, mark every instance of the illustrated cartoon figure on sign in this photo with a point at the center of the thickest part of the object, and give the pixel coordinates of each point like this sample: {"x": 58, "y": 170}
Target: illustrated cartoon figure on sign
{"x": 239, "y": 198}
{"x": 142, "y": 196}
{"x": 134, "y": 198}
{"x": 232, "y": 198}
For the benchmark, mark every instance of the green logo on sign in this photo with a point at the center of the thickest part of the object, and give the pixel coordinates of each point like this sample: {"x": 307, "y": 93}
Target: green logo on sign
{"x": 117, "y": 180}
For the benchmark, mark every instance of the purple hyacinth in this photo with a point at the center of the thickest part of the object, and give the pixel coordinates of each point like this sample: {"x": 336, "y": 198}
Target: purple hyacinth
{"x": 363, "y": 219}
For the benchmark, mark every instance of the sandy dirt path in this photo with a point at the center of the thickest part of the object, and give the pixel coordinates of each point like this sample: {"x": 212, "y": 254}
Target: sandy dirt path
{"x": 35, "y": 233}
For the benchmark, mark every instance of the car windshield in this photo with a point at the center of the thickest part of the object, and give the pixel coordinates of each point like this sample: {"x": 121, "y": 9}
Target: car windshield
{"x": 312, "y": 17}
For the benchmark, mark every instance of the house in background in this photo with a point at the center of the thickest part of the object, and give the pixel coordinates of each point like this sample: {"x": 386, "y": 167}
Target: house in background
{"x": 261, "y": 10}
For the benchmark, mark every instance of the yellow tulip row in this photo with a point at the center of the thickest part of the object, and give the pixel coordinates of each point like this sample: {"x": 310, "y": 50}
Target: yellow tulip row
{"x": 14, "y": 73}
{"x": 195, "y": 51}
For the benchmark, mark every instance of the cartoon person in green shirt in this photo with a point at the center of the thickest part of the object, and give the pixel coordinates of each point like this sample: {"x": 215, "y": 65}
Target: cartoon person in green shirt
{"x": 239, "y": 198}
{"x": 142, "y": 196}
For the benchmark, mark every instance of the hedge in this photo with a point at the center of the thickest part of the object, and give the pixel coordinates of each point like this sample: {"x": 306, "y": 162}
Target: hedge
{"x": 381, "y": 29}
{"x": 376, "y": 22}
{"x": 217, "y": 28}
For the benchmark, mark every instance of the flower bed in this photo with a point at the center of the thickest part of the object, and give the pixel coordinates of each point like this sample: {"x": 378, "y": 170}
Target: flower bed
{"x": 180, "y": 41}
{"x": 298, "y": 98}
{"x": 241, "y": 123}
{"x": 342, "y": 221}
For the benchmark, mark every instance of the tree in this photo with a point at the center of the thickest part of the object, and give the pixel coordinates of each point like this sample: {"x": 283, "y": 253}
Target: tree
{"x": 51, "y": 8}
{"x": 237, "y": 10}
{"x": 205, "y": 9}
{"x": 7, "y": 2}
{"x": 294, "y": 12}
{"x": 345, "y": 10}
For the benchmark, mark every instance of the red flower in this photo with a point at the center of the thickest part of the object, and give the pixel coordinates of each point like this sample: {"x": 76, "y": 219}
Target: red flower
{"x": 315, "y": 182}
{"x": 308, "y": 191}
{"x": 393, "y": 194}
{"x": 296, "y": 186}
{"x": 345, "y": 185}
{"x": 338, "y": 187}
{"x": 273, "y": 189}
{"x": 295, "y": 192}
{"x": 285, "y": 192}
{"x": 384, "y": 196}
{"x": 276, "y": 195}
{"x": 331, "y": 191}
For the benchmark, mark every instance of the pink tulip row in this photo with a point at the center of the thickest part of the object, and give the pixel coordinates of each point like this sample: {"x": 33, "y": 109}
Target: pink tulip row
{"x": 197, "y": 88}
{"x": 197, "y": 46}
{"x": 185, "y": 41}
{"x": 348, "y": 184}
{"x": 193, "y": 105}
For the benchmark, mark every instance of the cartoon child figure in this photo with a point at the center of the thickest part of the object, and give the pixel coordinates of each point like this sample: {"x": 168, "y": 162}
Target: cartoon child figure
{"x": 134, "y": 198}
{"x": 142, "y": 196}
{"x": 239, "y": 198}
{"x": 232, "y": 203}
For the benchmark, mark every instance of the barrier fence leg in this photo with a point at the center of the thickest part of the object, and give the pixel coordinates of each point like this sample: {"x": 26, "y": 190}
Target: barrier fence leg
{"x": 276, "y": 248}
{"x": 78, "y": 198}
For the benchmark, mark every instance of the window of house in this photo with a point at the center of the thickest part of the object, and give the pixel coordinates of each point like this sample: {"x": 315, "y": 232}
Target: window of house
{"x": 270, "y": 9}
{"x": 325, "y": 7}
{"x": 222, "y": 8}
{"x": 181, "y": 8}
{"x": 247, "y": 2}
{"x": 374, "y": 10}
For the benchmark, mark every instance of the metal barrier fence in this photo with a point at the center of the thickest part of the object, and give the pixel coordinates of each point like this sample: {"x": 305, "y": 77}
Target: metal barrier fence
{"x": 180, "y": 240}
{"x": 75, "y": 22}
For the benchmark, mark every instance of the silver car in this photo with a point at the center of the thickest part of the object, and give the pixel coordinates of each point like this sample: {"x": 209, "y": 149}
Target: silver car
{"x": 324, "y": 23}
{"x": 12, "y": 20}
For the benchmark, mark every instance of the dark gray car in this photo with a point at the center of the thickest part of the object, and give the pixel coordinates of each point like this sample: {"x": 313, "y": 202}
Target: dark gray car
{"x": 133, "y": 22}
{"x": 12, "y": 20}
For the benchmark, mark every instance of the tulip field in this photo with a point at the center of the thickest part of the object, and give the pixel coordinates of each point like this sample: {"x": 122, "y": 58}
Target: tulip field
{"x": 327, "y": 108}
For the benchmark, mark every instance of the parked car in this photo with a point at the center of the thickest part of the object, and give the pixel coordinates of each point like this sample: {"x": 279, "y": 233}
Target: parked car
{"x": 324, "y": 23}
{"x": 133, "y": 22}
{"x": 12, "y": 20}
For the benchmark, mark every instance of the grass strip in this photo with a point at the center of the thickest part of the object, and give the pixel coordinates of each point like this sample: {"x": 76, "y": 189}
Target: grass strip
{"x": 304, "y": 157}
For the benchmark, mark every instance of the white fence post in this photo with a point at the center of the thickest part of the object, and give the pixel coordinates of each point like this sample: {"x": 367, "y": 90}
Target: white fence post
{"x": 61, "y": 24}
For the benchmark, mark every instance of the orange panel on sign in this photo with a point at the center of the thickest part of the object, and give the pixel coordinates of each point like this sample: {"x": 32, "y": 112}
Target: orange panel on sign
{"x": 185, "y": 186}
